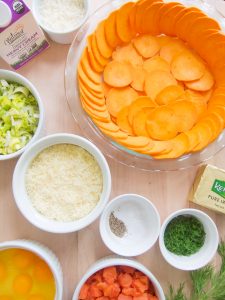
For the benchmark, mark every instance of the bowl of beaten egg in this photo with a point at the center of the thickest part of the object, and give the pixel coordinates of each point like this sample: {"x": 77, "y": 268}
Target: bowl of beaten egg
{"x": 29, "y": 271}
{"x": 62, "y": 183}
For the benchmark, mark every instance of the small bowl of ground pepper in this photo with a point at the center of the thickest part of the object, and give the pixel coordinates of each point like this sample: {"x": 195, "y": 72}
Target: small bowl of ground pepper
{"x": 130, "y": 225}
{"x": 188, "y": 239}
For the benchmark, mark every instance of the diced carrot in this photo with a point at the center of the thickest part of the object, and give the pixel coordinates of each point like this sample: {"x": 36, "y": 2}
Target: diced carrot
{"x": 125, "y": 280}
{"x": 144, "y": 279}
{"x": 137, "y": 274}
{"x": 84, "y": 292}
{"x": 128, "y": 291}
{"x": 102, "y": 298}
{"x": 97, "y": 277}
{"x": 150, "y": 297}
{"x": 95, "y": 291}
{"x": 139, "y": 285}
{"x": 102, "y": 285}
{"x": 127, "y": 269}
{"x": 112, "y": 291}
{"x": 141, "y": 297}
{"x": 124, "y": 297}
{"x": 110, "y": 275}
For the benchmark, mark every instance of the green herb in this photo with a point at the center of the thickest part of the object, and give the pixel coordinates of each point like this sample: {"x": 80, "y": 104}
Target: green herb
{"x": 207, "y": 284}
{"x": 184, "y": 235}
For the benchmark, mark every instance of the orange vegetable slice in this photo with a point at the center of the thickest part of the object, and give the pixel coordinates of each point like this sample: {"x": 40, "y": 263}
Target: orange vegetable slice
{"x": 105, "y": 88}
{"x": 84, "y": 292}
{"x": 172, "y": 49}
{"x": 103, "y": 46}
{"x": 122, "y": 22}
{"x": 141, "y": 7}
{"x": 124, "y": 297}
{"x": 109, "y": 126}
{"x": 91, "y": 104}
{"x": 149, "y": 22}
{"x": 162, "y": 124}
{"x": 92, "y": 98}
{"x": 156, "y": 81}
{"x": 138, "y": 78}
{"x": 163, "y": 40}
{"x": 100, "y": 59}
{"x": 203, "y": 84}
{"x": 94, "y": 76}
{"x": 119, "y": 98}
{"x": 146, "y": 45}
{"x": 156, "y": 63}
{"x": 110, "y": 31}
{"x": 95, "y": 65}
{"x": 127, "y": 54}
{"x": 137, "y": 105}
{"x": 94, "y": 114}
{"x": 136, "y": 142}
{"x": 185, "y": 113}
{"x": 122, "y": 121}
{"x": 160, "y": 147}
{"x": 169, "y": 94}
{"x": 117, "y": 74}
{"x": 87, "y": 81}
{"x": 204, "y": 133}
{"x": 96, "y": 94}
{"x": 139, "y": 121}
{"x": 112, "y": 291}
{"x": 116, "y": 136}
{"x": 187, "y": 67}
{"x": 193, "y": 139}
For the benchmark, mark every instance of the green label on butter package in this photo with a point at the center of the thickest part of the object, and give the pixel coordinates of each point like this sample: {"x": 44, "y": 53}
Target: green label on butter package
{"x": 219, "y": 187}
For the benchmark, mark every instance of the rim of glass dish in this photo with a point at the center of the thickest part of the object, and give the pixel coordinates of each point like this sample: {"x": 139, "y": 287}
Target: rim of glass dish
{"x": 109, "y": 147}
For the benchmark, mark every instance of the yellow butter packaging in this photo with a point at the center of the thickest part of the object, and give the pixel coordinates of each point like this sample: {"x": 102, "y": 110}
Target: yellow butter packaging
{"x": 208, "y": 189}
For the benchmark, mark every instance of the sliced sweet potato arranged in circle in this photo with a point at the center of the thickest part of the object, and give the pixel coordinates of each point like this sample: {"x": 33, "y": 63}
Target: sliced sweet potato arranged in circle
{"x": 187, "y": 67}
{"x": 122, "y": 22}
{"x": 149, "y": 22}
{"x": 203, "y": 84}
{"x": 111, "y": 32}
{"x": 156, "y": 63}
{"x": 127, "y": 54}
{"x": 172, "y": 49}
{"x": 138, "y": 78}
{"x": 103, "y": 46}
{"x": 146, "y": 45}
{"x": 139, "y": 121}
{"x": 156, "y": 81}
{"x": 117, "y": 99}
{"x": 117, "y": 74}
{"x": 169, "y": 94}
{"x": 122, "y": 120}
{"x": 137, "y": 105}
{"x": 85, "y": 63}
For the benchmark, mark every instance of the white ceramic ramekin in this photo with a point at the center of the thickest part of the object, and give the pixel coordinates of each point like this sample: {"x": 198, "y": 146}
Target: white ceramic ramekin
{"x": 119, "y": 261}
{"x": 44, "y": 253}
{"x": 63, "y": 37}
{"x": 19, "y": 189}
{"x": 204, "y": 255}
{"x": 13, "y": 76}
{"x": 141, "y": 219}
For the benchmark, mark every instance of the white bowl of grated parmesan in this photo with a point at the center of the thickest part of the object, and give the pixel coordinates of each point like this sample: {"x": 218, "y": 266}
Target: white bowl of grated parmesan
{"x": 61, "y": 183}
{"x": 61, "y": 19}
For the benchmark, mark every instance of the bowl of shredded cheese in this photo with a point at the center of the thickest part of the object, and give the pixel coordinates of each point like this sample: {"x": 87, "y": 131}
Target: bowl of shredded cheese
{"x": 62, "y": 183}
{"x": 61, "y": 19}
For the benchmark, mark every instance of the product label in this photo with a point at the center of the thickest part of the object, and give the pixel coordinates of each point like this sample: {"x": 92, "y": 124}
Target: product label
{"x": 219, "y": 187}
{"x": 23, "y": 39}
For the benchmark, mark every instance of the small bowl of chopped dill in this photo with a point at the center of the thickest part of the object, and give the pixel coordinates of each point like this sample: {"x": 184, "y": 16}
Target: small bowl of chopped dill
{"x": 130, "y": 225}
{"x": 188, "y": 239}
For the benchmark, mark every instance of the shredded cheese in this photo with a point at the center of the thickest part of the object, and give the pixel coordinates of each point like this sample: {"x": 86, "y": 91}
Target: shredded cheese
{"x": 64, "y": 182}
{"x": 61, "y": 16}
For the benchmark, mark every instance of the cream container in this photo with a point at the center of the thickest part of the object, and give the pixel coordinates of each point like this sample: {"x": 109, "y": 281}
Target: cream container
{"x": 61, "y": 37}
{"x": 44, "y": 253}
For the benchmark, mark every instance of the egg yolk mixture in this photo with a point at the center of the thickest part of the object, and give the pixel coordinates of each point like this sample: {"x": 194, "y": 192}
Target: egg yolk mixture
{"x": 25, "y": 276}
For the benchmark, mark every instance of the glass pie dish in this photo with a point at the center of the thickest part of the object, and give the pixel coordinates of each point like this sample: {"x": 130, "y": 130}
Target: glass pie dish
{"x": 109, "y": 147}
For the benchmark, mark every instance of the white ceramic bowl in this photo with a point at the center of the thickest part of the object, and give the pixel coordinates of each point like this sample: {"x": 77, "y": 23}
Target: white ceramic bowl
{"x": 13, "y": 76}
{"x": 204, "y": 255}
{"x": 119, "y": 261}
{"x": 23, "y": 202}
{"x": 61, "y": 37}
{"x": 44, "y": 253}
{"x": 142, "y": 221}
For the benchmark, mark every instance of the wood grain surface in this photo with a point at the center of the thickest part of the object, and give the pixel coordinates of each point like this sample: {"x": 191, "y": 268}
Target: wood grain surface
{"x": 77, "y": 251}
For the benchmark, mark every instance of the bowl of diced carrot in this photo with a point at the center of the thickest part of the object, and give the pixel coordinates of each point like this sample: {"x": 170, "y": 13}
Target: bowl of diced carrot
{"x": 118, "y": 278}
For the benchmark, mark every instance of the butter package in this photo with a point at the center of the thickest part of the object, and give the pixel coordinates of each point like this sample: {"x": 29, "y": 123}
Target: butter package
{"x": 21, "y": 38}
{"x": 209, "y": 188}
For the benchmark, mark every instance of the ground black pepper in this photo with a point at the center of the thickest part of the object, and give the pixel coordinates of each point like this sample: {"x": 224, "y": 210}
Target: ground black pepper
{"x": 117, "y": 226}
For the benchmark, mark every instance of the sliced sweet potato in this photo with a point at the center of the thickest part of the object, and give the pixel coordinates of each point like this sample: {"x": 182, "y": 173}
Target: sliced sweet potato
{"x": 137, "y": 105}
{"x": 216, "y": 122}
{"x": 172, "y": 49}
{"x": 217, "y": 99}
{"x": 103, "y": 46}
{"x": 119, "y": 98}
{"x": 100, "y": 59}
{"x": 122, "y": 121}
{"x": 136, "y": 142}
{"x": 95, "y": 65}
{"x": 185, "y": 113}
{"x": 117, "y": 74}
{"x": 84, "y": 61}
{"x": 93, "y": 113}
{"x": 187, "y": 67}
{"x": 156, "y": 63}
{"x": 105, "y": 88}
{"x": 218, "y": 109}
{"x": 109, "y": 126}
{"x": 87, "y": 81}
{"x": 84, "y": 86}
{"x": 138, "y": 77}
{"x": 96, "y": 100}
{"x": 139, "y": 122}
{"x": 160, "y": 147}
{"x": 127, "y": 54}
{"x": 203, "y": 84}
{"x": 156, "y": 81}
{"x": 149, "y": 22}
{"x": 169, "y": 94}
{"x": 110, "y": 31}
{"x": 140, "y": 12}
{"x": 177, "y": 15}
{"x": 179, "y": 145}
{"x": 118, "y": 136}
{"x": 204, "y": 133}
{"x": 193, "y": 140}
{"x": 123, "y": 29}
{"x": 90, "y": 104}
{"x": 162, "y": 124}
{"x": 163, "y": 40}
{"x": 146, "y": 45}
